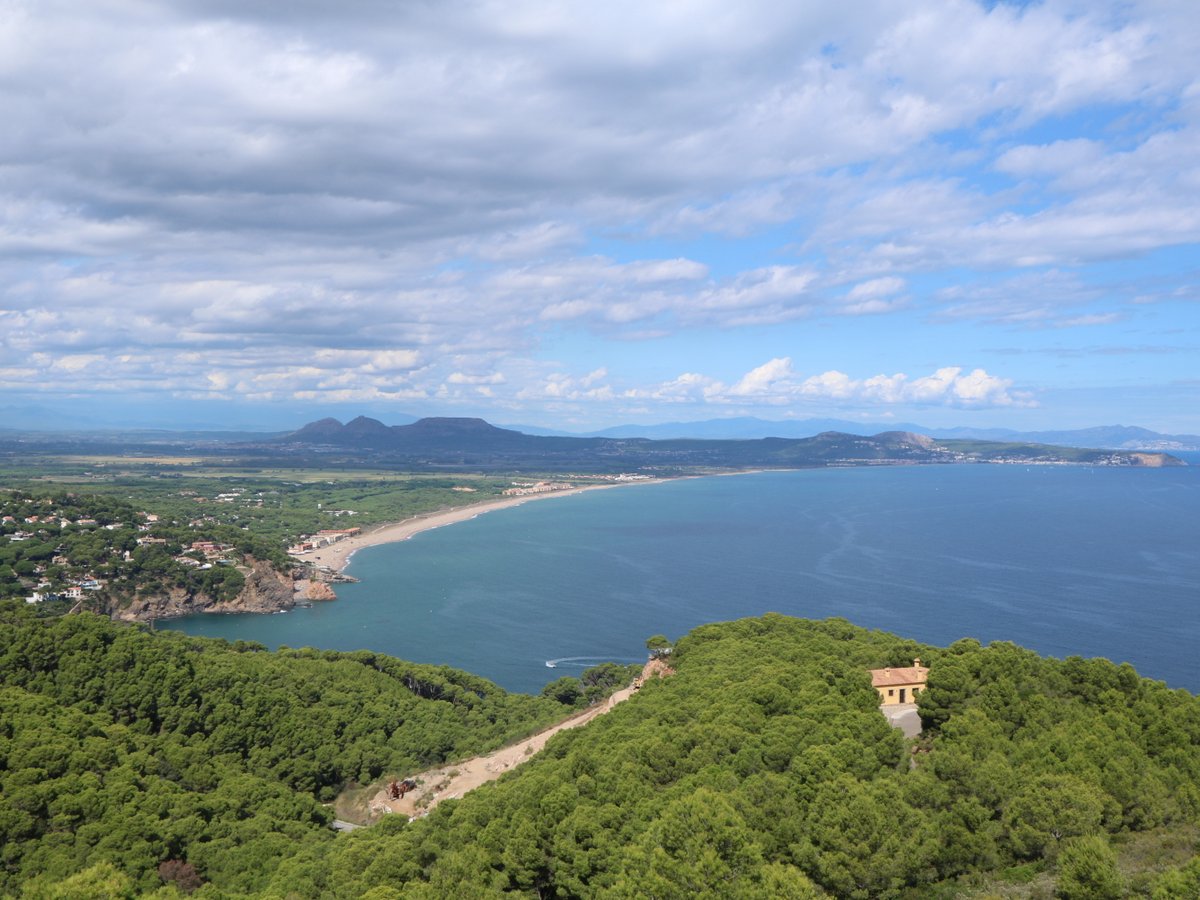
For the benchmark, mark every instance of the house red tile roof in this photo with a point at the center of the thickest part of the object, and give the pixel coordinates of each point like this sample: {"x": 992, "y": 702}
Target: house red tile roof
{"x": 914, "y": 674}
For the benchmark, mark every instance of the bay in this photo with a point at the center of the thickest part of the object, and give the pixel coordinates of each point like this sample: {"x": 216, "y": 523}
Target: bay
{"x": 1064, "y": 560}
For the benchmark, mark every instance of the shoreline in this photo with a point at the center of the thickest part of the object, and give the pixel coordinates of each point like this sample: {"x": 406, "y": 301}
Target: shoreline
{"x": 337, "y": 556}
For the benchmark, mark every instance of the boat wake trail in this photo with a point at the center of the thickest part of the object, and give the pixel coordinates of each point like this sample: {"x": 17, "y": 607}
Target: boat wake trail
{"x": 586, "y": 662}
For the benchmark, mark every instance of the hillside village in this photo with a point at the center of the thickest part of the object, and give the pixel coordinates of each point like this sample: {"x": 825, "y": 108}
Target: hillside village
{"x": 98, "y": 553}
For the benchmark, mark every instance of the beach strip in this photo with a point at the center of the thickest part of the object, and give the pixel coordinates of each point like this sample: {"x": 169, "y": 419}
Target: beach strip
{"x": 336, "y": 556}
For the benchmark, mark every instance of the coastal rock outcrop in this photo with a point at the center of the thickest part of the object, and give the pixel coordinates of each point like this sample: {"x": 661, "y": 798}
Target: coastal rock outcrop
{"x": 314, "y": 591}
{"x": 1155, "y": 460}
{"x": 174, "y": 603}
{"x": 265, "y": 591}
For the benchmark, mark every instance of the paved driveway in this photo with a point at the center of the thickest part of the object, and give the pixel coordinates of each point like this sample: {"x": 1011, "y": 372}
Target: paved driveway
{"x": 903, "y": 716}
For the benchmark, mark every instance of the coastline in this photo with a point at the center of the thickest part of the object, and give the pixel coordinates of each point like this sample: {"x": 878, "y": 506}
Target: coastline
{"x": 337, "y": 556}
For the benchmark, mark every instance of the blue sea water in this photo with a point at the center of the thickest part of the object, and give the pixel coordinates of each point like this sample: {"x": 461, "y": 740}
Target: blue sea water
{"x": 1063, "y": 560}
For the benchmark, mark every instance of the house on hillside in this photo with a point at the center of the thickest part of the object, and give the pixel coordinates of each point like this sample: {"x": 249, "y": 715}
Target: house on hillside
{"x": 899, "y": 685}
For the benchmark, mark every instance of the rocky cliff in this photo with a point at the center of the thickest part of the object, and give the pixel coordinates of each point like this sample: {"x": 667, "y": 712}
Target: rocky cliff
{"x": 265, "y": 591}
{"x": 314, "y": 591}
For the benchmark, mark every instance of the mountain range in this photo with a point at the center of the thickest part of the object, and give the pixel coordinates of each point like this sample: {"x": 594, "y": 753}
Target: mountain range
{"x": 466, "y": 442}
{"x": 157, "y": 425}
{"x": 1109, "y": 437}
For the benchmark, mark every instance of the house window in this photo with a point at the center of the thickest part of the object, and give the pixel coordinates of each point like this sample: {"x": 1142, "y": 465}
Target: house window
{"x": 891, "y": 693}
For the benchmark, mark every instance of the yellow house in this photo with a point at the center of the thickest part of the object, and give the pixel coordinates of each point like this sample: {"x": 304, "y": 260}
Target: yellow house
{"x": 899, "y": 685}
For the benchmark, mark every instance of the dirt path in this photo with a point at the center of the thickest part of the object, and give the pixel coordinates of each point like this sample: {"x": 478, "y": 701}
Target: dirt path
{"x": 452, "y": 781}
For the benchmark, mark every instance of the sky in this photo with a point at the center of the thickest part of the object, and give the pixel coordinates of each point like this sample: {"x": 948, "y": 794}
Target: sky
{"x": 252, "y": 214}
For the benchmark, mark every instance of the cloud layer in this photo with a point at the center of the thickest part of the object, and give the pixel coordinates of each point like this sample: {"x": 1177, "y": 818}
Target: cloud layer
{"x": 776, "y": 383}
{"x": 437, "y": 206}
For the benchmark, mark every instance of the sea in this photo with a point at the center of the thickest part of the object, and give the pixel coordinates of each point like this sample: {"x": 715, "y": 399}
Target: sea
{"x": 1065, "y": 560}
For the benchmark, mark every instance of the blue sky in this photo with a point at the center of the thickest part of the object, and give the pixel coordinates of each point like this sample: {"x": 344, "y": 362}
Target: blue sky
{"x": 569, "y": 215}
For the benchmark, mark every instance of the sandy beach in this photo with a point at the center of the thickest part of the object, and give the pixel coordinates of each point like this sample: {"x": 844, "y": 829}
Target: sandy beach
{"x": 336, "y": 556}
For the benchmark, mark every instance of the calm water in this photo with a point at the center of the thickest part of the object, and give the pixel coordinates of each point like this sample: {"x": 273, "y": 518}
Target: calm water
{"x": 1096, "y": 562}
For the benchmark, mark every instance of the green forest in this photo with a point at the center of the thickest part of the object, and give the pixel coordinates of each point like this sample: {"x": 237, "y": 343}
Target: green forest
{"x": 136, "y": 749}
{"x": 134, "y": 763}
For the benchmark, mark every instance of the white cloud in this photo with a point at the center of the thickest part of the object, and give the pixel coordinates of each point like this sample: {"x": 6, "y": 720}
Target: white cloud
{"x": 665, "y": 270}
{"x": 396, "y": 200}
{"x": 1090, "y": 319}
{"x": 1047, "y": 299}
{"x": 368, "y": 361}
{"x": 763, "y": 379}
{"x": 776, "y": 383}
{"x": 876, "y": 287}
{"x": 463, "y": 378}
{"x": 77, "y": 362}
{"x": 767, "y": 295}
{"x": 559, "y": 386}
{"x": 566, "y": 310}
{"x": 594, "y": 377}
{"x": 948, "y": 386}
{"x": 1057, "y": 158}
{"x": 874, "y": 297}
{"x": 690, "y": 387}
{"x": 525, "y": 243}
{"x": 831, "y": 385}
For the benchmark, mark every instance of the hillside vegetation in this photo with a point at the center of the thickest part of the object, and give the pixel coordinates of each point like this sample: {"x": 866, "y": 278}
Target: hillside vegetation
{"x": 762, "y": 768}
{"x": 122, "y": 746}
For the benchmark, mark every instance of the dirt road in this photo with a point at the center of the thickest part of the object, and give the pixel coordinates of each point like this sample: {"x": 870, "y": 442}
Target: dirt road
{"x": 452, "y": 781}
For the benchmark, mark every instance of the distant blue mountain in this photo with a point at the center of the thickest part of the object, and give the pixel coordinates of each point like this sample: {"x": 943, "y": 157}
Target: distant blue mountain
{"x": 449, "y": 443}
{"x": 222, "y": 420}
{"x": 1117, "y": 437}
{"x": 539, "y": 431}
{"x": 1107, "y": 437}
{"x": 750, "y": 428}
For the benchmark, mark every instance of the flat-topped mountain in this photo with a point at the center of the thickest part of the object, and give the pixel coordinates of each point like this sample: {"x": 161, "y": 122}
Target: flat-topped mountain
{"x": 445, "y": 442}
{"x": 322, "y": 429}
